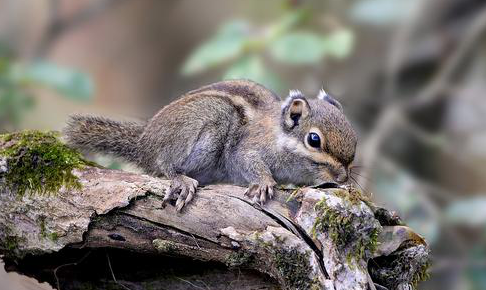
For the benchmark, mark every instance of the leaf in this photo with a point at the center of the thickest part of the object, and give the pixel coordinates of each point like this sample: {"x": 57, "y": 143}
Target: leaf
{"x": 298, "y": 48}
{"x": 69, "y": 82}
{"x": 251, "y": 67}
{"x": 469, "y": 211}
{"x": 339, "y": 43}
{"x": 228, "y": 43}
{"x": 382, "y": 12}
{"x": 13, "y": 104}
{"x": 476, "y": 269}
{"x": 286, "y": 22}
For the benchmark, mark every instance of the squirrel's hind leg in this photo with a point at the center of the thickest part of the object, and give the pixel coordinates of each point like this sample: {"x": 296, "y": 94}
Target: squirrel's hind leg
{"x": 182, "y": 188}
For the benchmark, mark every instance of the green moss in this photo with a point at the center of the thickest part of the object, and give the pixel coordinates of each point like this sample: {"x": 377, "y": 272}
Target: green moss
{"x": 239, "y": 259}
{"x": 340, "y": 226}
{"x": 352, "y": 196}
{"x": 292, "y": 265}
{"x": 53, "y": 236}
{"x": 42, "y": 225}
{"x": 39, "y": 162}
{"x": 407, "y": 265}
{"x": 294, "y": 268}
{"x": 10, "y": 243}
{"x": 421, "y": 275}
{"x": 43, "y": 230}
{"x": 164, "y": 246}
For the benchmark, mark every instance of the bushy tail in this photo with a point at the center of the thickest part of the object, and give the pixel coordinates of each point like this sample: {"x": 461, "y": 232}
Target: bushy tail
{"x": 99, "y": 134}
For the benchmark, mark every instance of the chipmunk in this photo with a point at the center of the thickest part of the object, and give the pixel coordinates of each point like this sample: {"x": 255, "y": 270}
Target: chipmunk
{"x": 234, "y": 131}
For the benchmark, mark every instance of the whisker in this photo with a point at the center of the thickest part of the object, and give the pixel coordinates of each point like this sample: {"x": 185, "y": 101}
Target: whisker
{"x": 359, "y": 185}
{"x": 358, "y": 166}
{"x": 356, "y": 169}
{"x": 360, "y": 175}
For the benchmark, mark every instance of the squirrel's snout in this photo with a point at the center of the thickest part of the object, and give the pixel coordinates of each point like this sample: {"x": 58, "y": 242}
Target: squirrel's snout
{"x": 342, "y": 178}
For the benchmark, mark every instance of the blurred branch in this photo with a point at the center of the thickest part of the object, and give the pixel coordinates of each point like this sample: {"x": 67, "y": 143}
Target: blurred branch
{"x": 428, "y": 187}
{"x": 433, "y": 141}
{"x": 57, "y": 25}
{"x": 440, "y": 82}
{"x": 428, "y": 204}
{"x": 371, "y": 146}
{"x": 394, "y": 111}
{"x": 446, "y": 264}
{"x": 399, "y": 44}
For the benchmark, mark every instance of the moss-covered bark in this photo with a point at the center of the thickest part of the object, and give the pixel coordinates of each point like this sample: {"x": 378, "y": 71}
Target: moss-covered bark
{"x": 39, "y": 163}
{"x": 321, "y": 239}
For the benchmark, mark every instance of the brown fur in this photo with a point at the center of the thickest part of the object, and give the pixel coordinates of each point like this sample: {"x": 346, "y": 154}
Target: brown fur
{"x": 234, "y": 132}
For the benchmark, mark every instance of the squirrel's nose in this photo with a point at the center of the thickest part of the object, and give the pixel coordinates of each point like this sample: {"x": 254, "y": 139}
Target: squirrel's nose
{"x": 342, "y": 177}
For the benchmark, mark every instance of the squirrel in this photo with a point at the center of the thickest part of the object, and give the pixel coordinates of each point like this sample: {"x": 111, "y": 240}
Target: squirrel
{"x": 234, "y": 131}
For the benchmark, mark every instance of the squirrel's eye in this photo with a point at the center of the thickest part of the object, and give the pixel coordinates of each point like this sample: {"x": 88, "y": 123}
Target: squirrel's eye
{"x": 314, "y": 140}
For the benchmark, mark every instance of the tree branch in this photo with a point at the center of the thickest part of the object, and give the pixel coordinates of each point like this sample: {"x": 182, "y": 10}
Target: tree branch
{"x": 321, "y": 239}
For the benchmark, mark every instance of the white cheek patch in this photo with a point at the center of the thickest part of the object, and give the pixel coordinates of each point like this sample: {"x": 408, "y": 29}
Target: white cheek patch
{"x": 292, "y": 144}
{"x": 286, "y": 142}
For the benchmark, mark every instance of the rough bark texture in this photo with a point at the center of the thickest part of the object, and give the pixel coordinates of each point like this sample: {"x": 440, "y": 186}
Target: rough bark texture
{"x": 113, "y": 227}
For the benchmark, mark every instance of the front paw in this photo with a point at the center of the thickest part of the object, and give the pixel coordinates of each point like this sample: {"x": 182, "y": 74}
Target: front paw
{"x": 183, "y": 189}
{"x": 258, "y": 192}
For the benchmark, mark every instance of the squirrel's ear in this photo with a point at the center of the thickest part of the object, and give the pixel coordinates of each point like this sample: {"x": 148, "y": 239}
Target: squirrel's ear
{"x": 326, "y": 97}
{"x": 295, "y": 108}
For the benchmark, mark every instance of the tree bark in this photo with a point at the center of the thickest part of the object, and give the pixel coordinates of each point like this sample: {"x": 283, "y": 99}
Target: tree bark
{"x": 114, "y": 227}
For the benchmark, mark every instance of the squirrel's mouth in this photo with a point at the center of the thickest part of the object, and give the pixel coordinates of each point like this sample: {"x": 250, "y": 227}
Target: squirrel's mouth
{"x": 326, "y": 185}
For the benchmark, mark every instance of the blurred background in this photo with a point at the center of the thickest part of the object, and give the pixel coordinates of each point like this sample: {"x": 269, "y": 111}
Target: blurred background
{"x": 411, "y": 75}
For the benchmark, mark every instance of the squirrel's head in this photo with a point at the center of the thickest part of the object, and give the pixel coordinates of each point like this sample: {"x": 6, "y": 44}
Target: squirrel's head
{"x": 319, "y": 133}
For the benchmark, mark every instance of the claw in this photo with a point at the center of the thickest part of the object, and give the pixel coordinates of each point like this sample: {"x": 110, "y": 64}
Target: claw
{"x": 182, "y": 198}
{"x": 190, "y": 196}
{"x": 270, "y": 192}
{"x": 258, "y": 193}
{"x": 170, "y": 194}
{"x": 263, "y": 195}
{"x": 183, "y": 189}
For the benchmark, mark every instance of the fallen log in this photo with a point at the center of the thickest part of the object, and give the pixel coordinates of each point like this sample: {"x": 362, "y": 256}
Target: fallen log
{"x": 104, "y": 228}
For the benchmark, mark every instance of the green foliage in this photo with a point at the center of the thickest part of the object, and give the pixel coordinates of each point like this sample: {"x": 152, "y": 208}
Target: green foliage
{"x": 382, "y": 12}
{"x": 298, "y": 48}
{"x": 470, "y": 211}
{"x": 339, "y": 44}
{"x": 68, "y": 82}
{"x": 39, "y": 163}
{"x": 228, "y": 42}
{"x": 13, "y": 101}
{"x": 252, "y": 67}
{"x": 244, "y": 45}
{"x": 18, "y": 79}
{"x": 476, "y": 271}
{"x": 305, "y": 47}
